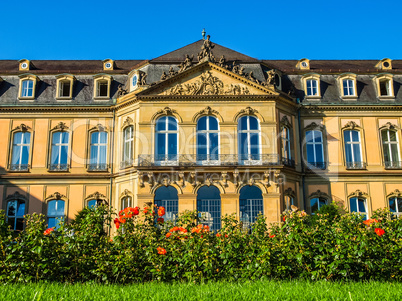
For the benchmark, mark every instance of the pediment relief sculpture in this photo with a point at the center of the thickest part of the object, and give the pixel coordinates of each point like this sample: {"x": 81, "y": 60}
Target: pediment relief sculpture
{"x": 358, "y": 193}
{"x": 96, "y": 196}
{"x": 61, "y": 126}
{"x": 99, "y": 127}
{"x": 56, "y": 196}
{"x": 319, "y": 194}
{"x": 395, "y": 193}
{"x": 351, "y": 125}
{"x": 314, "y": 126}
{"x": 22, "y": 127}
{"x": 15, "y": 196}
{"x": 390, "y": 126}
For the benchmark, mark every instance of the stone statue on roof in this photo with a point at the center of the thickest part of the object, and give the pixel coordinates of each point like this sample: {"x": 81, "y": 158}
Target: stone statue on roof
{"x": 206, "y": 49}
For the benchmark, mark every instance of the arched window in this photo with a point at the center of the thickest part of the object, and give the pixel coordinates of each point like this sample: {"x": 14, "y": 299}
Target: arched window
{"x": 207, "y": 139}
{"x": 395, "y": 205}
{"x": 92, "y": 203}
{"x": 390, "y": 146}
{"x": 98, "y": 151}
{"x": 359, "y": 205}
{"x": 59, "y": 156}
{"x": 20, "y": 151}
{"x": 55, "y": 213}
{"x": 249, "y": 139}
{"x": 166, "y": 196}
{"x": 315, "y": 149}
{"x": 166, "y": 146}
{"x": 128, "y": 137}
{"x": 353, "y": 151}
{"x": 251, "y": 204}
{"x": 317, "y": 203}
{"x": 15, "y": 214}
{"x": 209, "y": 206}
{"x": 126, "y": 201}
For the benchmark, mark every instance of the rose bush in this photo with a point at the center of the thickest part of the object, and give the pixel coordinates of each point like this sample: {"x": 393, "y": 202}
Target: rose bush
{"x": 328, "y": 245}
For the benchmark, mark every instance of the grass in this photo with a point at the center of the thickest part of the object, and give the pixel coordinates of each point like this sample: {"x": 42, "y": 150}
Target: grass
{"x": 258, "y": 290}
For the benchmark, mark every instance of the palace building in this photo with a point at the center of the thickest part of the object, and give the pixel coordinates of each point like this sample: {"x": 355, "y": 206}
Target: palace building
{"x": 201, "y": 128}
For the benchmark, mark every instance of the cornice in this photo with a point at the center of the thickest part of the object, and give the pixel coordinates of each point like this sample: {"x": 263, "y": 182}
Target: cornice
{"x": 69, "y": 109}
{"x": 393, "y": 107}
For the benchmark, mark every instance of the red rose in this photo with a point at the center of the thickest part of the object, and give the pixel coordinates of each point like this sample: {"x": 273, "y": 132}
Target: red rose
{"x": 161, "y": 251}
{"x": 117, "y": 223}
{"x": 48, "y": 231}
{"x": 370, "y": 221}
{"x": 160, "y": 220}
{"x": 218, "y": 235}
{"x": 161, "y": 211}
{"x": 271, "y": 235}
{"x": 168, "y": 234}
{"x": 379, "y": 231}
{"x": 284, "y": 218}
{"x": 136, "y": 211}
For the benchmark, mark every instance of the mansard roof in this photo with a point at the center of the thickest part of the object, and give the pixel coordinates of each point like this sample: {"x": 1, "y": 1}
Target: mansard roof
{"x": 177, "y": 56}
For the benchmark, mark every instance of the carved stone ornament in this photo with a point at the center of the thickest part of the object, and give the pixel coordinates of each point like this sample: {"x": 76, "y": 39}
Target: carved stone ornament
{"x": 165, "y": 181}
{"x": 251, "y": 182}
{"x": 270, "y": 77}
{"x": 206, "y": 51}
{"x": 285, "y": 122}
{"x": 194, "y": 179}
{"x": 97, "y": 196}
{"x": 351, "y": 125}
{"x": 165, "y": 111}
{"x": 319, "y": 194}
{"x": 182, "y": 179}
{"x": 121, "y": 91}
{"x": 390, "y": 126}
{"x": 206, "y": 85}
{"x": 142, "y": 78}
{"x": 314, "y": 126}
{"x": 125, "y": 193}
{"x": 396, "y": 193}
{"x": 57, "y": 196}
{"x": 208, "y": 181}
{"x": 358, "y": 193}
{"x": 99, "y": 127}
{"x": 127, "y": 122}
{"x": 15, "y": 196}
{"x": 22, "y": 127}
{"x": 225, "y": 177}
{"x": 289, "y": 192}
{"x": 61, "y": 126}
{"x": 141, "y": 178}
{"x": 235, "y": 176}
{"x": 188, "y": 62}
{"x": 150, "y": 179}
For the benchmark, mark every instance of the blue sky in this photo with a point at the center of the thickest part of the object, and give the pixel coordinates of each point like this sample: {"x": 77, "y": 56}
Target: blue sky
{"x": 88, "y": 29}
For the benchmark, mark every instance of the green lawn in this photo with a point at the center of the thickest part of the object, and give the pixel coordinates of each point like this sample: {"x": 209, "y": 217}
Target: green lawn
{"x": 259, "y": 290}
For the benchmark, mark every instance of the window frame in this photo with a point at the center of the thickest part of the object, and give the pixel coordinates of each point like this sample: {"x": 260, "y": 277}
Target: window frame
{"x": 55, "y": 216}
{"x": 61, "y": 127}
{"x": 19, "y": 199}
{"x": 98, "y": 79}
{"x": 319, "y": 198}
{"x": 128, "y": 160}
{"x": 24, "y": 78}
{"x": 209, "y": 157}
{"x": 246, "y": 158}
{"x": 388, "y": 78}
{"x": 315, "y": 164}
{"x": 347, "y": 77}
{"x": 24, "y": 129}
{"x": 357, "y": 198}
{"x": 61, "y": 79}
{"x": 306, "y": 79}
{"x": 397, "y": 196}
{"x": 166, "y": 132}
{"x": 354, "y": 164}
{"x": 98, "y": 166}
{"x": 390, "y": 164}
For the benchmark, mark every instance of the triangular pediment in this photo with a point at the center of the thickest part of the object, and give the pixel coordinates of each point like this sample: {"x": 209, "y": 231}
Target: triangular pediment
{"x": 208, "y": 79}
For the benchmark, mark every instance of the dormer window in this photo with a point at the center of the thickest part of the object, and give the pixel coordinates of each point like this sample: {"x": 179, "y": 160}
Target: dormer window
{"x": 303, "y": 64}
{"x": 102, "y": 86}
{"x": 385, "y": 87}
{"x": 311, "y": 83}
{"x": 384, "y": 64}
{"x": 347, "y": 86}
{"x": 27, "y": 86}
{"x": 65, "y": 86}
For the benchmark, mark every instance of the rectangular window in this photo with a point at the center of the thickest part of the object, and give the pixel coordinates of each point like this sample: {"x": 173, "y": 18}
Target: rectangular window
{"x": 353, "y": 152}
{"x": 358, "y": 205}
{"x": 312, "y": 87}
{"x": 315, "y": 149}
{"x": 65, "y": 89}
{"x": 27, "y": 88}
{"x": 348, "y": 87}
{"x": 20, "y": 151}
{"x": 55, "y": 213}
{"x": 98, "y": 151}
{"x": 59, "y": 156}
{"x": 102, "y": 88}
{"x": 385, "y": 88}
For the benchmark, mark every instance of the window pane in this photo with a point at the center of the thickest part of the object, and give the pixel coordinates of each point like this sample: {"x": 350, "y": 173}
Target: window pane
{"x": 213, "y": 123}
{"x": 92, "y": 204}
{"x": 102, "y": 154}
{"x": 314, "y": 204}
{"x": 317, "y": 136}
{"x": 172, "y": 144}
{"x": 26, "y": 138}
{"x": 12, "y": 208}
{"x": 202, "y": 144}
{"x": 213, "y": 143}
{"x": 253, "y": 123}
{"x": 202, "y": 123}
{"x": 25, "y": 155}
{"x": 56, "y": 137}
{"x": 51, "y": 208}
{"x": 355, "y": 136}
{"x": 161, "y": 140}
{"x": 399, "y": 201}
{"x": 319, "y": 153}
{"x": 356, "y": 153}
{"x": 309, "y": 136}
{"x": 243, "y": 145}
{"x": 310, "y": 153}
{"x": 322, "y": 202}
{"x": 394, "y": 151}
{"x": 243, "y": 123}
{"x": 392, "y": 136}
{"x": 254, "y": 143}
{"x": 103, "y": 137}
{"x": 94, "y": 154}
{"x": 392, "y": 204}
{"x": 384, "y": 135}
{"x": 95, "y": 138}
{"x": 172, "y": 124}
{"x": 16, "y": 154}
{"x": 103, "y": 88}
{"x": 362, "y": 207}
{"x": 64, "y": 154}
{"x": 353, "y": 204}
{"x": 161, "y": 124}
{"x": 346, "y": 136}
